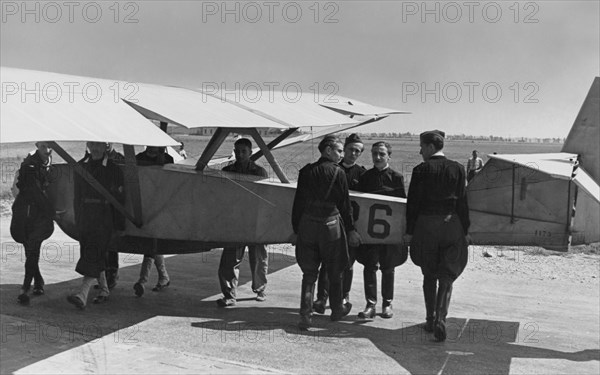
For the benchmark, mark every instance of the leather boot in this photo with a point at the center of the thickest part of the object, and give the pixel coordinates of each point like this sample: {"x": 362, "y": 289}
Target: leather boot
{"x": 441, "y": 310}
{"x": 306, "y": 301}
{"x": 338, "y": 308}
{"x": 370, "y": 285}
{"x": 370, "y": 280}
{"x": 322, "y": 291}
{"x": 319, "y": 305}
{"x": 387, "y": 292}
{"x": 347, "y": 282}
{"x": 429, "y": 292}
{"x": 27, "y": 282}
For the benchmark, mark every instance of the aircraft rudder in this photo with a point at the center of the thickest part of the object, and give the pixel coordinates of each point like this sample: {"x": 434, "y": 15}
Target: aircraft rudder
{"x": 584, "y": 136}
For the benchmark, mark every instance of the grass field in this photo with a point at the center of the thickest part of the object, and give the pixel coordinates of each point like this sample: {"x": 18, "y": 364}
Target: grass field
{"x": 405, "y": 154}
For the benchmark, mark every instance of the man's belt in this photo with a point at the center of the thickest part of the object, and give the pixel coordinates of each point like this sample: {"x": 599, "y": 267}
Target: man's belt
{"x": 321, "y": 209}
{"x": 95, "y": 200}
{"x": 437, "y": 211}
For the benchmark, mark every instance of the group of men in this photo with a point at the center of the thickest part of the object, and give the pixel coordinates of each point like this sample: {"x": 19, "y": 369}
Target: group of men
{"x": 437, "y": 220}
{"x": 98, "y": 221}
{"x": 327, "y": 243}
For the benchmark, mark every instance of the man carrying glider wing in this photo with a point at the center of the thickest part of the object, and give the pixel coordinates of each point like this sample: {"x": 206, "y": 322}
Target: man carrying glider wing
{"x": 321, "y": 217}
{"x": 437, "y": 226}
{"x": 32, "y": 215}
{"x": 153, "y": 156}
{"x": 232, "y": 257}
{"x": 381, "y": 179}
{"x": 353, "y": 148}
{"x": 96, "y": 221}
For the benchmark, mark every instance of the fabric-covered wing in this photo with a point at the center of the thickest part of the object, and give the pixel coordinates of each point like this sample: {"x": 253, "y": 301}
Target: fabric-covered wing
{"x": 39, "y": 106}
{"x": 192, "y": 109}
{"x": 353, "y": 107}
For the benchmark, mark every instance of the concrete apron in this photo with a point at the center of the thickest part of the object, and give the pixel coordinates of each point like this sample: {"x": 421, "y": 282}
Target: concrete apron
{"x": 497, "y": 323}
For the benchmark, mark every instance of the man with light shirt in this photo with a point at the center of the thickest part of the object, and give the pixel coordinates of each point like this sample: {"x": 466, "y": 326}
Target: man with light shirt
{"x": 474, "y": 166}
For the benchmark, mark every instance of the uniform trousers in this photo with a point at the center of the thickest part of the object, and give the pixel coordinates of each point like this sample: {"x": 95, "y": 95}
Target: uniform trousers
{"x": 32, "y": 268}
{"x": 347, "y": 276}
{"x": 229, "y": 269}
{"x": 161, "y": 268}
{"x": 440, "y": 248}
{"x": 87, "y": 282}
{"x": 383, "y": 257}
{"x": 321, "y": 240}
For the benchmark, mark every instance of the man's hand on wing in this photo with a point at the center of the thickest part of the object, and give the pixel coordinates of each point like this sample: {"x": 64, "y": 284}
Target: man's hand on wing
{"x": 354, "y": 239}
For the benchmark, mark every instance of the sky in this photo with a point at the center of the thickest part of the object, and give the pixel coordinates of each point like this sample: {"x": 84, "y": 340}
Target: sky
{"x": 505, "y": 68}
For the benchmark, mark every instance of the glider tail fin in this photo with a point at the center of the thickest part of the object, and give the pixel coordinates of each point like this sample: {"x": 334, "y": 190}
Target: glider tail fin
{"x": 584, "y": 136}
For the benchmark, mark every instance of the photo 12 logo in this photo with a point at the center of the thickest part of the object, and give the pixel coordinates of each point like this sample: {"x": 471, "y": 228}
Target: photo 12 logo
{"x": 471, "y": 92}
{"x": 71, "y": 92}
{"x": 70, "y": 11}
{"x": 270, "y": 11}
{"x": 470, "y": 11}
{"x": 254, "y": 92}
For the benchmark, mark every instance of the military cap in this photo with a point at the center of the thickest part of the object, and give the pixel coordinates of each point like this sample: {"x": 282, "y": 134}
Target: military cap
{"x": 431, "y": 136}
{"x": 352, "y": 138}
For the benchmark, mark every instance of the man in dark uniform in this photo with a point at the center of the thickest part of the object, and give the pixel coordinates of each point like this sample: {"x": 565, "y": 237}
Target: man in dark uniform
{"x": 353, "y": 148}
{"x": 32, "y": 215}
{"x": 153, "y": 156}
{"x": 321, "y": 217}
{"x": 112, "y": 257}
{"x": 381, "y": 179}
{"x": 96, "y": 221}
{"x": 437, "y": 225}
{"x": 232, "y": 257}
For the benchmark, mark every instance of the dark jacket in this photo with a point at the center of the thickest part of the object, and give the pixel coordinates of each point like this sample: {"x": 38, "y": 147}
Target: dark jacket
{"x": 144, "y": 159}
{"x": 322, "y": 185}
{"x": 32, "y": 210}
{"x": 437, "y": 187}
{"x": 353, "y": 174}
{"x": 251, "y": 168}
{"x": 384, "y": 182}
{"x": 110, "y": 176}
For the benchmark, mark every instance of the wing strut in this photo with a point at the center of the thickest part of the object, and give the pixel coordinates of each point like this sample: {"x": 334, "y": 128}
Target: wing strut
{"x": 94, "y": 183}
{"x": 132, "y": 183}
{"x": 221, "y": 134}
{"x": 212, "y": 147}
{"x": 274, "y": 143}
{"x": 268, "y": 155}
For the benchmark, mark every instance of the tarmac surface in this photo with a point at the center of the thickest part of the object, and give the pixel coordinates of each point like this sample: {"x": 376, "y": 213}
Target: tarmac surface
{"x": 500, "y": 324}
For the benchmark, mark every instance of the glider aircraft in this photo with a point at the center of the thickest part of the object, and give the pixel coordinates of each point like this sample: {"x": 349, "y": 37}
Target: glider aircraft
{"x": 547, "y": 200}
{"x": 180, "y": 208}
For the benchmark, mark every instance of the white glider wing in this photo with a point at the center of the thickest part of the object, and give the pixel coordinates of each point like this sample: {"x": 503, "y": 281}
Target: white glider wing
{"x": 41, "y": 106}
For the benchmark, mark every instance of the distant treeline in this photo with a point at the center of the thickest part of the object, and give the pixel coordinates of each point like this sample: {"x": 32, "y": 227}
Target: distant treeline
{"x": 461, "y": 137}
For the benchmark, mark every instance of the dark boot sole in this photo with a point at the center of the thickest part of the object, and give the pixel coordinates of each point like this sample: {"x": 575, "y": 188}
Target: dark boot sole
{"x": 319, "y": 308}
{"x": 23, "y": 299}
{"x": 335, "y": 316}
{"x": 439, "y": 332}
{"x": 427, "y": 327}
{"x": 139, "y": 289}
{"x": 371, "y": 315}
{"x": 74, "y": 300}
{"x": 304, "y": 324}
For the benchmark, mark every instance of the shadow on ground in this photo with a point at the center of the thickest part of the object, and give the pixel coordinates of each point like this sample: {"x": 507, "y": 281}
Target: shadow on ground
{"x": 473, "y": 346}
{"x": 50, "y": 325}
